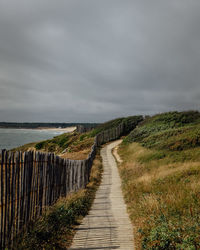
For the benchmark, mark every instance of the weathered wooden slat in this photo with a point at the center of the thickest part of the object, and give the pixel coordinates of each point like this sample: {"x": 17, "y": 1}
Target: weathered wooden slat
{"x": 72, "y": 171}
{"x": 5, "y": 200}
{"x": 21, "y": 186}
{"x": 32, "y": 204}
{"x": 67, "y": 177}
{"x": 13, "y": 199}
{"x": 48, "y": 178}
{"x": 25, "y": 188}
{"x": 2, "y": 197}
{"x": 32, "y": 185}
{"x": 29, "y": 185}
{"x": 44, "y": 181}
{"x": 83, "y": 174}
{"x": 51, "y": 186}
{"x": 9, "y": 199}
{"x": 36, "y": 184}
{"x": 41, "y": 187}
{"x": 56, "y": 162}
{"x": 17, "y": 160}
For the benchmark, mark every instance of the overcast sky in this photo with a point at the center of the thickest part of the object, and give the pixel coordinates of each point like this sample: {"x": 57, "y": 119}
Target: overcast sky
{"x": 94, "y": 60}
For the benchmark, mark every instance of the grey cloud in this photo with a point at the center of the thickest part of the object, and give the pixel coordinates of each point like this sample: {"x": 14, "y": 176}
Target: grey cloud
{"x": 95, "y": 60}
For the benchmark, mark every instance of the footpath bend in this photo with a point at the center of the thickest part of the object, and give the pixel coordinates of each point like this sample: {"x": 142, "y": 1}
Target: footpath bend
{"x": 107, "y": 226}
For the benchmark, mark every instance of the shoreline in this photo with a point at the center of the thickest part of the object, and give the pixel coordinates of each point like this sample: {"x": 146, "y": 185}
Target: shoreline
{"x": 10, "y": 137}
{"x": 67, "y": 129}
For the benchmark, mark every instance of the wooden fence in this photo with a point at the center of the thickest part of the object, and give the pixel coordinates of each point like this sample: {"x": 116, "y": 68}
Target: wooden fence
{"x": 32, "y": 181}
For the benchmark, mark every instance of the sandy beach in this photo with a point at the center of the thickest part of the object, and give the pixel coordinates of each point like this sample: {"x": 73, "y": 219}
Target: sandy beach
{"x": 64, "y": 130}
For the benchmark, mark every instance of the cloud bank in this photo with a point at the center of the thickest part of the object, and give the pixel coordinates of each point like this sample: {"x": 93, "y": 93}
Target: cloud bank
{"x": 80, "y": 61}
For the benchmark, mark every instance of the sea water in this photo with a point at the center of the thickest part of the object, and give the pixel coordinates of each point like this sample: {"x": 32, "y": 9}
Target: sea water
{"x": 12, "y": 138}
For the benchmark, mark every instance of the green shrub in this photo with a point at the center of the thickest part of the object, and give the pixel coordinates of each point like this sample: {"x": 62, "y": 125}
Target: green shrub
{"x": 172, "y": 234}
{"x": 40, "y": 145}
{"x": 82, "y": 137}
{"x": 59, "y": 219}
{"x": 63, "y": 143}
{"x": 157, "y": 155}
{"x": 173, "y": 131}
{"x": 51, "y": 147}
{"x": 129, "y": 123}
{"x": 57, "y": 143}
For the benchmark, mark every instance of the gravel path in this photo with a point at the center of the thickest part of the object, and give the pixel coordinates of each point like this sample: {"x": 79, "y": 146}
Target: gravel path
{"x": 107, "y": 225}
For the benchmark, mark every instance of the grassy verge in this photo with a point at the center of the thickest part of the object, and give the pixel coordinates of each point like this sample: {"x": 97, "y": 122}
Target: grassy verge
{"x": 161, "y": 183}
{"x": 162, "y": 197}
{"x": 55, "y": 229}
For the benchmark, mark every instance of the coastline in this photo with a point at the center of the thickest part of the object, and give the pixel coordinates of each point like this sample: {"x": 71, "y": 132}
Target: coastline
{"x": 67, "y": 129}
{"x": 18, "y": 137}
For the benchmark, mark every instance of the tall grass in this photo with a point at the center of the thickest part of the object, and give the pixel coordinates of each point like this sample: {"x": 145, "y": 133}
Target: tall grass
{"x": 163, "y": 199}
{"x": 161, "y": 181}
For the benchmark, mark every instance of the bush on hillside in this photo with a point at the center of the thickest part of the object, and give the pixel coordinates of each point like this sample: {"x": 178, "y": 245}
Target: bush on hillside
{"x": 40, "y": 145}
{"x": 172, "y": 234}
{"x": 129, "y": 122}
{"x": 169, "y": 131}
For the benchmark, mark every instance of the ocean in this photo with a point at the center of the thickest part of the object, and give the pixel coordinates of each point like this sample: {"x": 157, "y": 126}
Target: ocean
{"x": 12, "y": 138}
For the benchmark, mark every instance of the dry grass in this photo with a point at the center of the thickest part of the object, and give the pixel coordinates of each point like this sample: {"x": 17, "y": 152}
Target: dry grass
{"x": 167, "y": 171}
{"x": 71, "y": 145}
{"x": 154, "y": 188}
{"x": 81, "y": 155}
{"x": 26, "y": 147}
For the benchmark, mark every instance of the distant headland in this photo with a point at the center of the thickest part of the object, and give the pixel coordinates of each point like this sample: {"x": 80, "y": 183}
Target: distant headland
{"x": 41, "y": 125}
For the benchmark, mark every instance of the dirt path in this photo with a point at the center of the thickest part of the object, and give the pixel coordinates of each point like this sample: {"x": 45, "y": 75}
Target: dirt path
{"x": 107, "y": 226}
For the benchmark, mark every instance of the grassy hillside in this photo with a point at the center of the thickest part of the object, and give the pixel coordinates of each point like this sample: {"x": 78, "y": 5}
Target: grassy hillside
{"x": 178, "y": 126}
{"x": 130, "y": 122}
{"x": 161, "y": 180}
{"x": 70, "y": 145}
{"x": 78, "y": 145}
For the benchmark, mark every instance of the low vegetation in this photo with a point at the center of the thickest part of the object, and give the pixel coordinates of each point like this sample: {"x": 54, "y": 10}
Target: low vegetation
{"x": 129, "y": 122}
{"x": 175, "y": 127}
{"x": 161, "y": 181}
{"x": 68, "y": 145}
{"x": 76, "y": 145}
{"x": 69, "y": 142}
{"x": 55, "y": 229}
